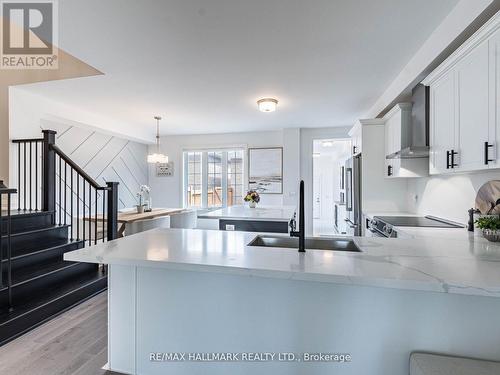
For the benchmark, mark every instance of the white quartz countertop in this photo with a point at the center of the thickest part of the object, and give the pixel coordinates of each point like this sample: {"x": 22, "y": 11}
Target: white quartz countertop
{"x": 261, "y": 213}
{"x": 461, "y": 266}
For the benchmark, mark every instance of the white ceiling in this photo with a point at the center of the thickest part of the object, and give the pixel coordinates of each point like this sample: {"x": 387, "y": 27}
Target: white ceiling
{"x": 203, "y": 64}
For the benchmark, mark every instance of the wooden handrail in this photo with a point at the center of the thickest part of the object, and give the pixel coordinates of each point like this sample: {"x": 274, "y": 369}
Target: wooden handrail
{"x": 77, "y": 168}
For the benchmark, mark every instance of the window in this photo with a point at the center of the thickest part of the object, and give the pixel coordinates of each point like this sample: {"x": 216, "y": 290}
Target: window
{"x": 213, "y": 178}
{"x": 193, "y": 172}
{"x": 234, "y": 177}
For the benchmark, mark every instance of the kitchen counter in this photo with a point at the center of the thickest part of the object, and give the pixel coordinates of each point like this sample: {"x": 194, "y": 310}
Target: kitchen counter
{"x": 273, "y": 219}
{"x": 204, "y": 291}
{"x": 243, "y": 212}
{"x": 447, "y": 265}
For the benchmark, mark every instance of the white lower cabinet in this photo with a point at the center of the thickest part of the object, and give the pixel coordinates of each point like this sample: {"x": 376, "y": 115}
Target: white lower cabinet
{"x": 464, "y": 105}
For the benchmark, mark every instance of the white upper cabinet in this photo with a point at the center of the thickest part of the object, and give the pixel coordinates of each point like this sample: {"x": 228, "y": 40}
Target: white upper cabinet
{"x": 397, "y": 124}
{"x": 464, "y": 105}
{"x": 356, "y": 138}
{"x": 473, "y": 96}
{"x": 493, "y": 152}
{"x": 442, "y": 123}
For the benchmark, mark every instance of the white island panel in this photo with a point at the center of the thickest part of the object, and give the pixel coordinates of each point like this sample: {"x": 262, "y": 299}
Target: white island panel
{"x": 192, "y": 312}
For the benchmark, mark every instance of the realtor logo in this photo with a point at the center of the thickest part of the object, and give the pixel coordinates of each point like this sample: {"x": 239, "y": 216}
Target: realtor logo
{"x": 29, "y": 34}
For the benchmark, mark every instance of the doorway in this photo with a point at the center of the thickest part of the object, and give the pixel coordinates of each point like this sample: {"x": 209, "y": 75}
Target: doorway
{"x": 329, "y": 156}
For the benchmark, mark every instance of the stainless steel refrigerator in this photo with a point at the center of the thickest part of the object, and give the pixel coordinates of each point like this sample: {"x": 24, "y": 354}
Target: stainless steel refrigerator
{"x": 353, "y": 195}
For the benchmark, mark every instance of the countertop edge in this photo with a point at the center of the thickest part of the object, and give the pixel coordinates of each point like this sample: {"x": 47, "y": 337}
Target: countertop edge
{"x": 349, "y": 280}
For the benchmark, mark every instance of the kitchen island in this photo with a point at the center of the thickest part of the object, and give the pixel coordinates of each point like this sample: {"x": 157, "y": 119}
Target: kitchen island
{"x": 273, "y": 219}
{"x": 197, "y": 292}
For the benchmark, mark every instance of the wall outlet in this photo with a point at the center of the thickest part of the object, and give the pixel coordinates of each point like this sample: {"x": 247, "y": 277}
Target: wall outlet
{"x": 230, "y": 227}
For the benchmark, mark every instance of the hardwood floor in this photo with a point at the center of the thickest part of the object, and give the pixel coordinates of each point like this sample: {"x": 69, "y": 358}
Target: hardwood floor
{"x": 73, "y": 343}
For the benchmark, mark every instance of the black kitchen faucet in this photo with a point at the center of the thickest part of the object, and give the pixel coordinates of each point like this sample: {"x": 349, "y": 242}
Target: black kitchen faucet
{"x": 301, "y": 233}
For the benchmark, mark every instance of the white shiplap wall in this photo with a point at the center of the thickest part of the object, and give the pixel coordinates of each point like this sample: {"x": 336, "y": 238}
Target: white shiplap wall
{"x": 105, "y": 158}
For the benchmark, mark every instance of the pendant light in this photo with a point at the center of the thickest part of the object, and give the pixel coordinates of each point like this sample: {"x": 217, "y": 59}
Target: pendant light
{"x": 157, "y": 157}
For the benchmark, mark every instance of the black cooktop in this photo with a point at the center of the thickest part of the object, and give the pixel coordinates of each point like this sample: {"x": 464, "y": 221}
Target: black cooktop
{"x": 417, "y": 221}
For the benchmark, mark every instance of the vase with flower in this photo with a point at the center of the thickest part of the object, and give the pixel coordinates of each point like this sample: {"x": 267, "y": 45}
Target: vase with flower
{"x": 144, "y": 204}
{"x": 252, "y": 197}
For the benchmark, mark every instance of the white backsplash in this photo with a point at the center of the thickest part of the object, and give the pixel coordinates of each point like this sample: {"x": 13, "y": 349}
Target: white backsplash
{"x": 447, "y": 196}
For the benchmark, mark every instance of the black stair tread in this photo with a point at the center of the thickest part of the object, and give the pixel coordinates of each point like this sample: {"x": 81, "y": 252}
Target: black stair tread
{"x": 32, "y": 231}
{"x": 38, "y": 270}
{"x": 47, "y": 246}
{"x": 59, "y": 291}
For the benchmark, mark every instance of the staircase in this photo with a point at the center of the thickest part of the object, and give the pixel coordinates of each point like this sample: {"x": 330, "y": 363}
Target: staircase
{"x": 55, "y": 201}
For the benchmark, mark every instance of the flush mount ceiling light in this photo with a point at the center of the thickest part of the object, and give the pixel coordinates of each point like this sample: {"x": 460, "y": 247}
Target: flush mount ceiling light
{"x": 157, "y": 157}
{"x": 267, "y": 104}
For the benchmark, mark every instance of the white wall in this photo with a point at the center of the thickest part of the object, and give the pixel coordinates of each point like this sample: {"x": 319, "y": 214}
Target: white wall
{"x": 447, "y": 196}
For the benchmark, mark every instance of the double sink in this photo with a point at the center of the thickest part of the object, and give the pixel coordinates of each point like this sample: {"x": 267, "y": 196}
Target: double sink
{"x": 333, "y": 244}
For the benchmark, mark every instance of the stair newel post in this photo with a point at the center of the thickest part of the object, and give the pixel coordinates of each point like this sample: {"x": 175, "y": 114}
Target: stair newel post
{"x": 8, "y": 231}
{"x": 9, "y": 253}
{"x": 49, "y": 172}
{"x": 112, "y": 218}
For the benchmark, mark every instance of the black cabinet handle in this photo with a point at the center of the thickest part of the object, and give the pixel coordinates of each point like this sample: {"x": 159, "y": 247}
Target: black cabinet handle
{"x": 453, "y": 153}
{"x": 389, "y": 170}
{"x": 354, "y": 149}
{"x": 486, "y": 156}
{"x": 448, "y": 159}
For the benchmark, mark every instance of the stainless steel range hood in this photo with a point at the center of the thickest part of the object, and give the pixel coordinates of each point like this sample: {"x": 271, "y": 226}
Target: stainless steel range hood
{"x": 415, "y": 144}
{"x": 411, "y": 152}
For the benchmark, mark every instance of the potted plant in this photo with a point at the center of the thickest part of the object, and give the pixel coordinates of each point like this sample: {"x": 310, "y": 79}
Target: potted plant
{"x": 144, "y": 189}
{"x": 490, "y": 226}
{"x": 252, "y": 198}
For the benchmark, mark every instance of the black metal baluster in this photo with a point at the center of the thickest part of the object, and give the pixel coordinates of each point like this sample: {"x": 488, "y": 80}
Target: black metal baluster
{"x": 24, "y": 182}
{"x": 83, "y": 222}
{"x": 71, "y": 203}
{"x": 1, "y": 243}
{"x": 95, "y": 221}
{"x": 18, "y": 176}
{"x": 65, "y": 191}
{"x": 42, "y": 172}
{"x": 90, "y": 214}
{"x": 103, "y": 194}
{"x": 36, "y": 176}
{"x": 60, "y": 191}
{"x": 31, "y": 177}
{"x": 77, "y": 207}
{"x": 9, "y": 253}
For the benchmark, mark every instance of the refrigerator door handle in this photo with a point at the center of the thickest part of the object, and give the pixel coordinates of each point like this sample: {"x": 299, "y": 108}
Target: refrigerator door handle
{"x": 351, "y": 224}
{"x": 348, "y": 189}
